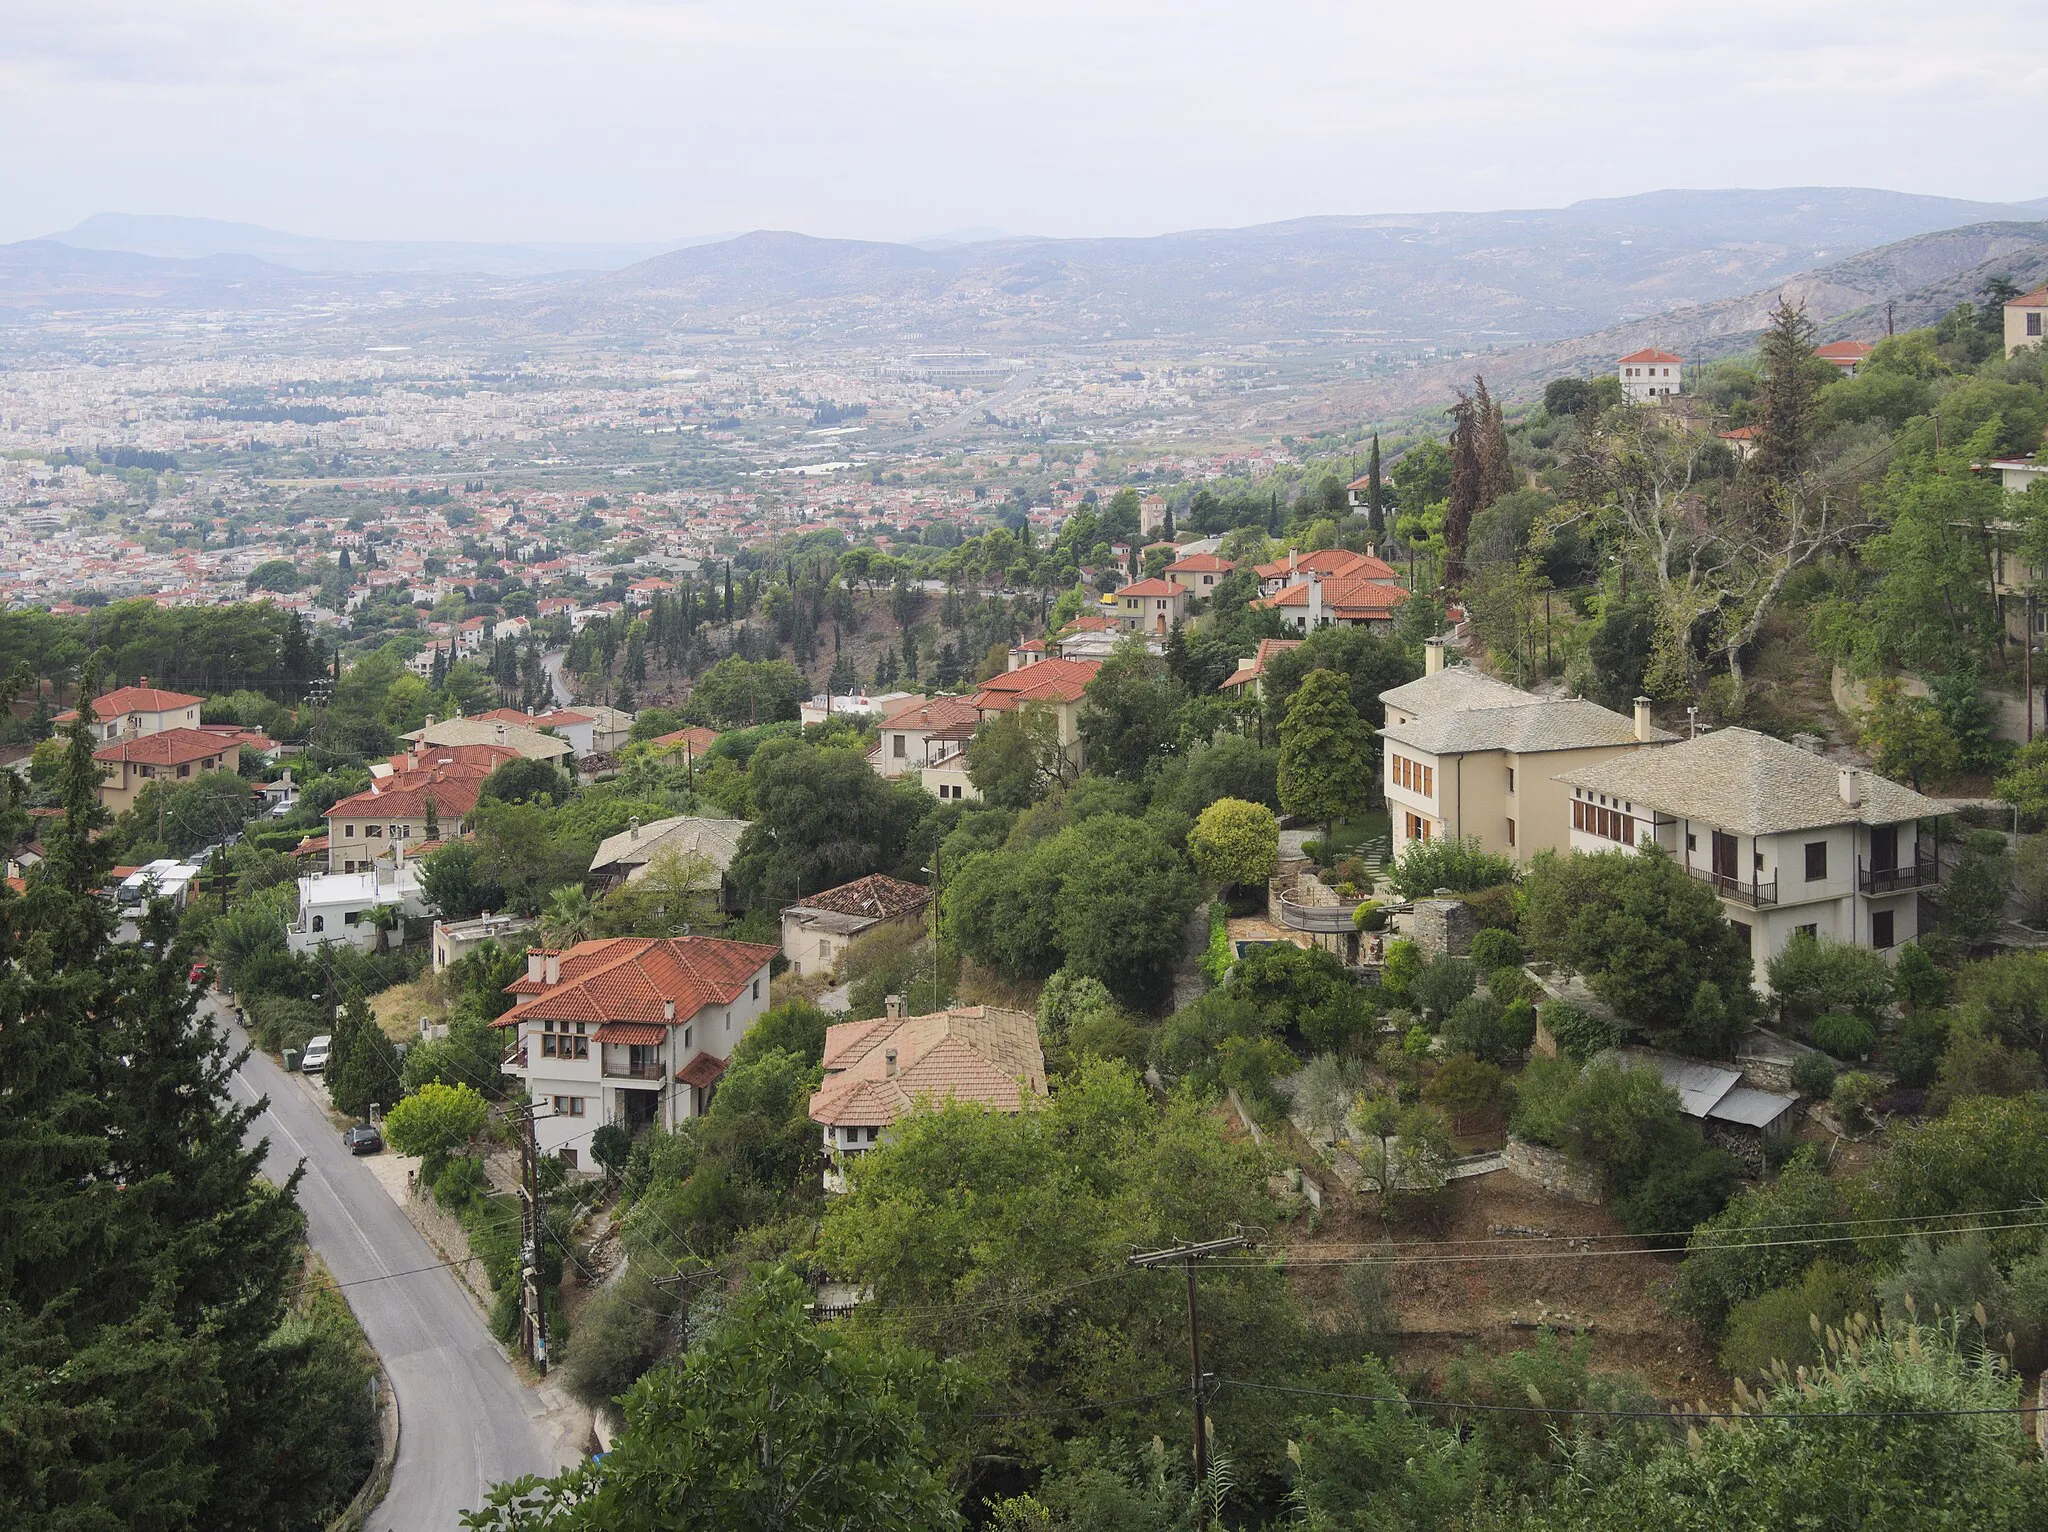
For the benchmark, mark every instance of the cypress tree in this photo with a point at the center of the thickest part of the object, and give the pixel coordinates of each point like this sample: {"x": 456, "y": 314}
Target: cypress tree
{"x": 1467, "y": 481}
{"x": 1785, "y": 410}
{"x": 1375, "y": 496}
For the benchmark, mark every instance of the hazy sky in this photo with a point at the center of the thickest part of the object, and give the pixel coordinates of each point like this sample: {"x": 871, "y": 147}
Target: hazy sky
{"x": 640, "y": 119}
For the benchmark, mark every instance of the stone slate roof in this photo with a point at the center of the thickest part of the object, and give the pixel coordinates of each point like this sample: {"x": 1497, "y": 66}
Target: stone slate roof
{"x": 1750, "y": 783}
{"x": 1455, "y": 687}
{"x": 1571, "y": 723}
{"x": 715, "y": 840}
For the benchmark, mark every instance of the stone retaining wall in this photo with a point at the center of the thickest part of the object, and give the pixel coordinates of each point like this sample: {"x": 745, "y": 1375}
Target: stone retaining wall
{"x": 1551, "y": 1170}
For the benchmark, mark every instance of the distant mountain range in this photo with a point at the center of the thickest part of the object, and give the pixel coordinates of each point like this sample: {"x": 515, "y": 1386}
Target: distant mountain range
{"x": 196, "y": 238}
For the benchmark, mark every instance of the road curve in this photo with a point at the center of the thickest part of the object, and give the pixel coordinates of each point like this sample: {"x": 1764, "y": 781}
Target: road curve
{"x": 467, "y": 1420}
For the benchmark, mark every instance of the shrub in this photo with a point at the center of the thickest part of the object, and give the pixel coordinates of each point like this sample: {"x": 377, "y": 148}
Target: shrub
{"x": 1917, "y": 1056}
{"x": 1854, "y": 1094}
{"x": 1778, "y": 1326}
{"x": 1474, "y": 1027}
{"x": 1461, "y": 866}
{"x": 1916, "y": 981}
{"x": 1370, "y": 916}
{"x": 1518, "y": 1025}
{"x": 1755, "y": 1246}
{"x": 1579, "y": 1034}
{"x": 1812, "y": 977}
{"x": 1496, "y": 909}
{"x": 610, "y": 1146}
{"x": 1441, "y": 984}
{"x": 1404, "y": 962}
{"x": 1494, "y": 948}
{"x": 1216, "y": 958}
{"x": 1681, "y": 1190}
{"x": 1235, "y": 842}
{"x": 1467, "y": 1087}
{"x": 1814, "y": 1075}
{"x": 1951, "y": 1279}
{"x": 1844, "y": 1035}
{"x": 1511, "y": 984}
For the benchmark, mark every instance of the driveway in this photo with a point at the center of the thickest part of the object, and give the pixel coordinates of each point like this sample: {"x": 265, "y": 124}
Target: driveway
{"x": 466, "y": 1420}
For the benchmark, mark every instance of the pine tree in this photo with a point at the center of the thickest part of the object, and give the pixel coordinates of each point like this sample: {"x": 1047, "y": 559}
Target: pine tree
{"x": 1785, "y": 409}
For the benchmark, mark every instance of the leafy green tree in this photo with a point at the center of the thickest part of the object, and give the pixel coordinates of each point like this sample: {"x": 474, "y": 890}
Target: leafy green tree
{"x": 1235, "y": 842}
{"x": 2010, "y": 993}
{"x": 1644, "y": 934}
{"x": 434, "y": 1122}
{"x": 1016, "y": 757}
{"x": 1131, "y": 712}
{"x": 822, "y": 818}
{"x": 1812, "y": 976}
{"x": 1984, "y": 1153}
{"x": 795, "y": 1026}
{"x": 1442, "y": 984}
{"x": 363, "y": 1066}
{"x": 1327, "y": 764}
{"x": 1780, "y": 1325}
{"x": 526, "y": 780}
{"x": 1304, "y": 993}
{"x": 2024, "y": 782}
{"x": 738, "y": 694}
{"x": 1462, "y": 866}
{"x": 1908, "y": 736}
{"x": 1369, "y": 662}
{"x": 771, "y": 1421}
{"x": 1973, "y": 899}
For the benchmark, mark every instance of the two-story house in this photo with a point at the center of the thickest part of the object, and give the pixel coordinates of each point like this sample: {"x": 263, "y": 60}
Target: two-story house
{"x": 1650, "y": 374}
{"x": 817, "y": 930}
{"x": 2026, "y": 320}
{"x": 927, "y": 737}
{"x": 1155, "y": 606}
{"x": 1057, "y": 686}
{"x": 1790, "y": 840}
{"x": 630, "y": 1030}
{"x": 394, "y": 812}
{"x": 1324, "y": 564}
{"x": 133, "y": 761}
{"x": 1338, "y": 602}
{"x": 1467, "y": 756}
{"x": 877, "y": 1071}
{"x": 129, "y": 712}
{"x": 1198, "y": 573}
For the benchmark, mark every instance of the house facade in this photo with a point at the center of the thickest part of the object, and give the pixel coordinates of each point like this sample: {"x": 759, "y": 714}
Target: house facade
{"x": 816, "y": 931}
{"x": 341, "y": 906}
{"x": 173, "y": 755}
{"x": 1057, "y": 686}
{"x": 630, "y": 1030}
{"x": 878, "y": 1071}
{"x": 129, "y": 712}
{"x": 1198, "y": 573}
{"x": 394, "y": 813}
{"x": 1154, "y": 607}
{"x": 2025, "y": 317}
{"x": 1317, "y": 602}
{"x": 1650, "y": 374}
{"x": 1469, "y": 757}
{"x": 709, "y": 843}
{"x": 1790, "y": 841}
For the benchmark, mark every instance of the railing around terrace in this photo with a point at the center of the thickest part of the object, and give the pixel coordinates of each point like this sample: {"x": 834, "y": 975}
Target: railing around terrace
{"x": 1322, "y": 918}
{"x": 1753, "y": 892}
{"x": 1921, "y": 872}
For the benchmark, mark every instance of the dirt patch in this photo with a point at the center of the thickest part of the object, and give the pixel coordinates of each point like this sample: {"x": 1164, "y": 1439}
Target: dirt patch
{"x": 1526, "y": 1258}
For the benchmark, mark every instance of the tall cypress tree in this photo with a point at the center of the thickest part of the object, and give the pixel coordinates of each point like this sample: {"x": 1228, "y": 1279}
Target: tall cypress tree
{"x": 1375, "y": 494}
{"x": 1785, "y": 410}
{"x": 1468, "y": 476}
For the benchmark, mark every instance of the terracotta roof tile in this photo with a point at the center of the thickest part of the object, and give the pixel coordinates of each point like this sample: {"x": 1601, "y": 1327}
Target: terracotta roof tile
{"x": 876, "y": 896}
{"x": 171, "y": 747}
{"x": 1652, "y": 354}
{"x": 878, "y": 1070}
{"x": 646, "y": 1034}
{"x": 629, "y": 978}
{"x": 703, "y": 1071}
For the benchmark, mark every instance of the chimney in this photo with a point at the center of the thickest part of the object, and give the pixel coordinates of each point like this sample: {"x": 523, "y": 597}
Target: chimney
{"x": 554, "y": 973}
{"x": 1644, "y": 727}
{"x": 633, "y": 824}
{"x": 1293, "y": 564}
{"x": 1849, "y": 783}
{"x": 431, "y": 721}
{"x": 893, "y": 1005}
{"x": 668, "y": 1010}
{"x": 1432, "y": 656}
{"x": 889, "y": 1064}
{"x": 536, "y": 961}
{"x": 501, "y": 734}
{"x": 1315, "y": 601}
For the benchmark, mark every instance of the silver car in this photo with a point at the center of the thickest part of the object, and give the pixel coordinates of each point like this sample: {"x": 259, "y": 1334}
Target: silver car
{"x": 315, "y": 1057}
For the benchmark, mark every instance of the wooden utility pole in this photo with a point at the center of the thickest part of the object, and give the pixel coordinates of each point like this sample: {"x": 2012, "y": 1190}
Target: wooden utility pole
{"x": 533, "y": 1312}
{"x": 2027, "y": 664}
{"x": 1186, "y": 1256}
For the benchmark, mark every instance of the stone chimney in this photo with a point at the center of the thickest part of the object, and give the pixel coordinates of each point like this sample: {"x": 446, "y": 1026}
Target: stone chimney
{"x": 633, "y": 825}
{"x": 431, "y": 721}
{"x": 554, "y": 970}
{"x": 1432, "y": 656}
{"x": 501, "y": 734}
{"x": 1849, "y": 783}
{"x": 893, "y": 1005}
{"x": 1293, "y": 564}
{"x": 668, "y": 1010}
{"x": 1315, "y": 601}
{"x": 1644, "y": 727}
{"x": 889, "y": 1063}
{"x": 536, "y": 964}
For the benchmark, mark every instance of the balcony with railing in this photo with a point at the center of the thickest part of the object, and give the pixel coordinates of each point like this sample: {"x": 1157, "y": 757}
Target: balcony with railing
{"x": 1754, "y": 892}
{"x": 1324, "y": 919}
{"x": 1924, "y": 871}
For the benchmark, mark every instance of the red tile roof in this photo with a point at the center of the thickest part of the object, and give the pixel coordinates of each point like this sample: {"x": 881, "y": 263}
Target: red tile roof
{"x": 1652, "y": 354}
{"x": 171, "y": 747}
{"x": 1152, "y": 587}
{"x": 628, "y": 978}
{"x": 1342, "y": 596}
{"x": 877, "y": 1070}
{"x": 133, "y": 699}
{"x": 2037, "y": 299}
{"x": 1047, "y": 681}
{"x": 931, "y": 713}
{"x": 1331, "y": 564}
{"x": 1249, "y": 669}
{"x": 699, "y": 740}
{"x": 646, "y": 1034}
{"x": 703, "y": 1071}
{"x": 454, "y": 791}
{"x": 876, "y": 896}
{"x": 1200, "y": 563}
{"x": 1844, "y": 350}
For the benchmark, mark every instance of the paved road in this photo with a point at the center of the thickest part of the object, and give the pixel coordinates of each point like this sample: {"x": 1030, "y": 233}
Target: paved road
{"x": 467, "y": 1422}
{"x": 551, "y": 662}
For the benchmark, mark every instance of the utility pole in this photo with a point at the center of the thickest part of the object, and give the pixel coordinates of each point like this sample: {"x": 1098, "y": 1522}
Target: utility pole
{"x": 1186, "y": 1256}
{"x": 533, "y": 1313}
{"x": 2027, "y": 663}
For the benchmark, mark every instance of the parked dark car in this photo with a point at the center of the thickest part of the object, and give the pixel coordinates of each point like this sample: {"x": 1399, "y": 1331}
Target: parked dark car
{"x": 363, "y": 1139}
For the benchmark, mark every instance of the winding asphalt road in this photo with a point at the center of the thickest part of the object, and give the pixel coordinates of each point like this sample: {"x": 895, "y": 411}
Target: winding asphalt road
{"x": 466, "y": 1420}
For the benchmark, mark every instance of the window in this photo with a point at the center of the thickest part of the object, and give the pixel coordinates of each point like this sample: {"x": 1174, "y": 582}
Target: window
{"x": 1816, "y": 861}
{"x": 1811, "y": 933}
{"x": 1692, "y": 841}
{"x": 185, "y": 770}
{"x": 687, "y": 1031}
{"x": 1511, "y": 833}
{"x": 1418, "y": 827}
{"x": 348, "y": 832}
{"x": 1608, "y": 824}
{"x": 757, "y": 989}
{"x": 568, "y": 1106}
{"x": 353, "y": 917}
{"x": 901, "y": 747}
{"x": 568, "y": 1156}
{"x": 1881, "y": 930}
{"x": 1511, "y": 779}
{"x": 1756, "y": 860}
{"x": 373, "y": 832}
{"x": 871, "y": 1134}
{"x": 2034, "y": 323}
{"x": 319, "y": 922}
{"x": 1742, "y": 930}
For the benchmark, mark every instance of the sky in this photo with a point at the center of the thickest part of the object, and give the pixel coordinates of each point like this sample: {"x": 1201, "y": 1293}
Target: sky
{"x": 896, "y": 119}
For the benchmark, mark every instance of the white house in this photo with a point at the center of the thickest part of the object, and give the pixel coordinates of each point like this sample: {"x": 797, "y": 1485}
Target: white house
{"x": 1791, "y": 841}
{"x": 455, "y": 940}
{"x": 816, "y": 931}
{"x": 334, "y": 906}
{"x": 630, "y": 1030}
{"x": 1650, "y": 374}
